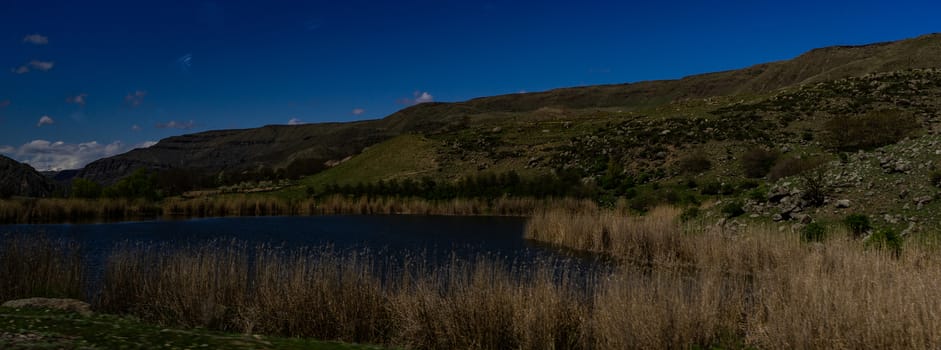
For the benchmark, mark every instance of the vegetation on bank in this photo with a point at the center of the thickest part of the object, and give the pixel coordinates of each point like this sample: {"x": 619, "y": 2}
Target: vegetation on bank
{"x": 679, "y": 283}
{"x": 49, "y": 329}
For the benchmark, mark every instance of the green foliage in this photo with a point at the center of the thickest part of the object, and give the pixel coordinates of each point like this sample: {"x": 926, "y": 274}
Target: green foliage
{"x": 815, "y": 189}
{"x": 140, "y": 184}
{"x": 758, "y": 194}
{"x": 935, "y": 178}
{"x": 757, "y": 162}
{"x": 710, "y": 188}
{"x": 813, "y": 232}
{"x": 733, "y": 209}
{"x": 690, "y": 214}
{"x": 886, "y": 239}
{"x": 874, "y": 129}
{"x": 84, "y": 188}
{"x": 858, "y": 224}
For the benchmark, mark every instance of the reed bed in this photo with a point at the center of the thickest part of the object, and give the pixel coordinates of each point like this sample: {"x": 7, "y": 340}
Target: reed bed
{"x": 48, "y": 210}
{"x": 677, "y": 286}
{"x": 37, "y": 265}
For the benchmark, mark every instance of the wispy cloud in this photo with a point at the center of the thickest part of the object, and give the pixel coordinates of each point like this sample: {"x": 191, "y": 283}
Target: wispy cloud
{"x": 135, "y": 128}
{"x": 136, "y": 98}
{"x": 173, "y": 124}
{"x": 4, "y": 103}
{"x": 295, "y": 121}
{"x": 417, "y": 97}
{"x": 45, "y": 120}
{"x": 43, "y": 66}
{"x": 145, "y": 144}
{"x": 36, "y": 39}
{"x": 185, "y": 62}
{"x": 44, "y": 155}
{"x": 358, "y": 111}
{"x": 77, "y": 99}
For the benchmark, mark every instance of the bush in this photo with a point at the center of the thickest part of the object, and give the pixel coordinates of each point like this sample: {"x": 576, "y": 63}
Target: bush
{"x": 886, "y": 239}
{"x": 813, "y": 232}
{"x": 82, "y": 188}
{"x": 694, "y": 163}
{"x": 710, "y": 188}
{"x": 757, "y": 162}
{"x": 758, "y": 194}
{"x": 935, "y": 178}
{"x": 793, "y": 166}
{"x": 858, "y": 224}
{"x": 874, "y": 129}
{"x": 689, "y": 214}
{"x": 733, "y": 209}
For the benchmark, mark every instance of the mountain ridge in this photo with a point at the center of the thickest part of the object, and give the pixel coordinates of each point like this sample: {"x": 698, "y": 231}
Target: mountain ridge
{"x": 277, "y": 146}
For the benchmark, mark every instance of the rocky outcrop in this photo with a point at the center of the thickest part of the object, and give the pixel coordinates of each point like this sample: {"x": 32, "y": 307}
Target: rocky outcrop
{"x": 18, "y": 179}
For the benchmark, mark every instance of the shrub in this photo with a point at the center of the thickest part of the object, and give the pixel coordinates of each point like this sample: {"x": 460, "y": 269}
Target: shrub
{"x": 874, "y": 129}
{"x": 813, "y": 232}
{"x": 815, "y": 189}
{"x": 689, "y": 214}
{"x": 758, "y": 194}
{"x": 886, "y": 239}
{"x": 757, "y": 162}
{"x": 858, "y": 224}
{"x": 694, "y": 163}
{"x": 733, "y": 209}
{"x": 710, "y": 188}
{"x": 793, "y": 166}
{"x": 935, "y": 178}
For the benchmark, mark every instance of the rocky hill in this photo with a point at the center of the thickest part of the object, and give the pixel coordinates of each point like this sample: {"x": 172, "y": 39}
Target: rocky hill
{"x": 18, "y": 179}
{"x": 715, "y": 106}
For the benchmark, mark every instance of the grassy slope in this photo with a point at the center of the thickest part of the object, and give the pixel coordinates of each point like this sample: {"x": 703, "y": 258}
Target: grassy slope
{"x": 42, "y": 329}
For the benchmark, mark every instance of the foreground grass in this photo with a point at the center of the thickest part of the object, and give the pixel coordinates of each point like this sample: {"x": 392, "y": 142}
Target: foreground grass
{"x": 678, "y": 285}
{"x": 52, "y": 329}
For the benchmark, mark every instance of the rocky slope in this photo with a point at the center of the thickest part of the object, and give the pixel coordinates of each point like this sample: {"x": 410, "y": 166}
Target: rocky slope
{"x": 18, "y": 179}
{"x": 623, "y": 107}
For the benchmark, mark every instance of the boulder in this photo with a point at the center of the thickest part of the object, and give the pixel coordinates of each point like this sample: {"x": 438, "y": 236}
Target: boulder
{"x": 843, "y": 203}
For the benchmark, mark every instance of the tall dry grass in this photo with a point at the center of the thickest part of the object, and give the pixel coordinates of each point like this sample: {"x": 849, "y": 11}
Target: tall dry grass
{"x": 45, "y": 210}
{"x": 678, "y": 286}
{"x": 36, "y": 265}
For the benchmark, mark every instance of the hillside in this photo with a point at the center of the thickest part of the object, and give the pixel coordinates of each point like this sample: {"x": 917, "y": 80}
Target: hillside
{"x": 18, "y": 179}
{"x": 530, "y": 124}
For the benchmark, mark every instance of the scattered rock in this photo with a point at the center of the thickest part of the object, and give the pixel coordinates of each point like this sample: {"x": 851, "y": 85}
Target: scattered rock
{"x": 843, "y": 203}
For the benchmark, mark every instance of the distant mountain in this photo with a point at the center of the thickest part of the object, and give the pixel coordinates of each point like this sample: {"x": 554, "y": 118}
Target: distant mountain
{"x": 275, "y": 146}
{"x": 18, "y": 179}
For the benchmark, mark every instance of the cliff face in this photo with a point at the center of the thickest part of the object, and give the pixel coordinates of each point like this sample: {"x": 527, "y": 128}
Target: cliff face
{"x": 18, "y": 179}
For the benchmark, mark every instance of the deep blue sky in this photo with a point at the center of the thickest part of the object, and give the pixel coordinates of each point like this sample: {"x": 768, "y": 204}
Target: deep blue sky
{"x": 110, "y": 75}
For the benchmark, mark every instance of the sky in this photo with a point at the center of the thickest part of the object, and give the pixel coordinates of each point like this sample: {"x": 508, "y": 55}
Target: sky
{"x": 82, "y": 80}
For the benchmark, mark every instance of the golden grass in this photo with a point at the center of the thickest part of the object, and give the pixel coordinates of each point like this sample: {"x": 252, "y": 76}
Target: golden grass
{"x": 36, "y": 265}
{"x": 677, "y": 286}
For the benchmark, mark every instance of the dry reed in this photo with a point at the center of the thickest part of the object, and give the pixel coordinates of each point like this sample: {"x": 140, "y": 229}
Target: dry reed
{"x": 37, "y": 265}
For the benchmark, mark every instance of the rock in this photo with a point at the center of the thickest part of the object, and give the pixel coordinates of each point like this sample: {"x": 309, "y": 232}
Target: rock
{"x": 71, "y": 305}
{"x": 777, "y": 217}
{"x": 496, "y": 129}
{"x": 843, "y": 203}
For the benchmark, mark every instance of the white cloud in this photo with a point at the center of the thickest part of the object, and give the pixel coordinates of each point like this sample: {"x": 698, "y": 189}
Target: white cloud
{"x": 295, "y": 121}
{"x": 135, "y": 127}
{"x": 417, "y": 97}
{"x": 423, "y": 97}
{"x": 36, "y": 39}
{"x": 77, "y": 99}
{"x": 135, "y": 99}
{"x": 173, "y": 124}
{"x": 44, "y": 66}
{"x": 145, "y": 144}
{"x": 44, "y": 155}
{"x": 358, "y": 111}
{"x": 45, "y": 120}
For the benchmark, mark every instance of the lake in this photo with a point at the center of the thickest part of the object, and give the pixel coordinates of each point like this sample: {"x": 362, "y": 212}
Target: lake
{"x": 437, "y": 239}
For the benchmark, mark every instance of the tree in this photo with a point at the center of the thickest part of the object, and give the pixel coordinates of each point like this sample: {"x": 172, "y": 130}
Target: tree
{"x": 84, "y": 188}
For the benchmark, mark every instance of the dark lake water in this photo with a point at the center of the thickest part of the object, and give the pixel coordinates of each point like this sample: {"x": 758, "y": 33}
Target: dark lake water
{"x": 437, "y": 239}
